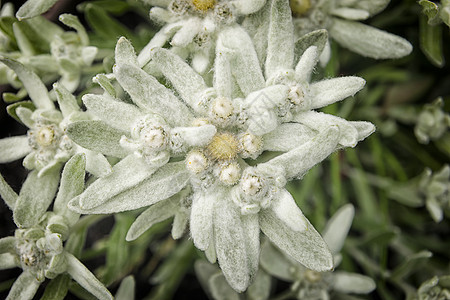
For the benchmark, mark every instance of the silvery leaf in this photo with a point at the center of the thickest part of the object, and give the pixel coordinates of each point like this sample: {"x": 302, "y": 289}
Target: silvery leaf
{"x": 244, "y": 64}
{"x": 329, "y": 91}
{"x": 287, "y": 136}
{"x": 307, "y": 247}
{"x": 72, "y": 184}
{"x": 152, "y": 96}
{"x": 33, "y": 8}
{"x": 97, "y": 136}
{"x": 24, "y": 288}
{"x": 126, "y": 289}
{"x": 67, "y": 102}
{"x": 7, "y": 261}
{"x": 276, "y": 263}
{"x": 352, "y": 283}
{"x": 285, "y": 208}
{"x": 96, "y": 163}
{"x": 35, "y": 197}
{"x": 337, "y": 228}
{"x": 164, "y": 183}
{"x": 201, "y": 220}
{"x": 306, "y": 64}
{"x": 154, "y": 214}
{"x": 299, "y": 160}
{"x": 188, "y": 83}
{"x": 348, "y": 135}
{"x": 124, "y": 52}
{"x": 32, "y": 83}
{"x": 230, "y": 243}
{"x": 316, "y": 38}
{"x": 13, "y": 148}
{"x": 350, "y": 13}
{"x": 280, "y": 50}
{"x": 220, "y": 289}
{"x": 85, "y": 278}
{"x": 369, "y": 41}
{"x": 260, "y": 288}
{"x": 73, "y": 22}
{"x": 117, "y": 114}
{"x": 126, "y": 174}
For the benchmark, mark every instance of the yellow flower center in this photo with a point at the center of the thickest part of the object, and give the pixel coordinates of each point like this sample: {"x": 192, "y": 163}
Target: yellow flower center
{"x": 312, "y": 276}
{"x": 45, "y": 136}
{"x": 223, "y": 146}
{"x": 300, "y": 7}
{"x": 203, "y": 5}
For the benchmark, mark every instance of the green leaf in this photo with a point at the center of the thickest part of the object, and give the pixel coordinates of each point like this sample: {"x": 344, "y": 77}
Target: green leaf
{"x": 220, "y": 289}
{"x": 6, "y": 25}
{"x": 411, "y": 263}
{"x": 97, "y": 136}
{"x": 57, "y": 288}
{"x": 107, "y": 27}
{"x": 431, "y": 42}
{"x": 67, "y": 102}
{"x": 33, "y": 8}
{"x": 11, "y": 109}
{"x": 118, "y": 250}
{"x": 431, "y": 10}
{"x": 316, "y": 38}
{"x": 73, "y": 22}
{"x": 35, "y": 197}
{"x": 7, "y": 193}
{"x": 126, "y": 289}
{"x": 85, "y": 278}
{"x": 72, "y": 184}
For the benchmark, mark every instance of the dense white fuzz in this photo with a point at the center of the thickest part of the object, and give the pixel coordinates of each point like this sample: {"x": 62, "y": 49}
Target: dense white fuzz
{"x": 196, "y": 162}
{"x": 251, "y": 145}
{"x": 221, "y": 109}
{"x": 201, "y": 220}
{"x": 286, "y": 209}
{"x": 230, "y": 173}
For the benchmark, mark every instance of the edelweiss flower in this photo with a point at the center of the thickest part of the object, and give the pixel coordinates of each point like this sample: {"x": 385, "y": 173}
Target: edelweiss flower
{"x": 37, "y": 246}
{"x": 192, "y": 26}
{"x": 46, "y": 145}
{"x": 226, "y": 200}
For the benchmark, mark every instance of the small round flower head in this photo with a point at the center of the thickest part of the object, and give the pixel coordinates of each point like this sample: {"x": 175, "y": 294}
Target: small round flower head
{"x": 48, "y": 143}
{"x": 151, "y": 133}
{"x": 252, "y": 184}
{"x": 36, "y": 250}
{"x": 200, "y": 122}
{"x": 221, "y": 109}
{"x": 196, "y": 162}
{"x": 230, "y": 173}
{"x": 251, "y": 145}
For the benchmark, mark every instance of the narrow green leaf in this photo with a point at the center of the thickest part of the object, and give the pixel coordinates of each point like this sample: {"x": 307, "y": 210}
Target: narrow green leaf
{"x": 73, "y": 21}
{"x": 126, "y": 289}
{"x": 431, "y": 42}
{"x": 57, "y": 288}
{"x": 7, "y": 193}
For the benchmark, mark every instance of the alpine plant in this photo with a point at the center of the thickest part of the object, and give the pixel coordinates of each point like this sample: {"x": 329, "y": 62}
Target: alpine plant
{"x": 189, "y": 143}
